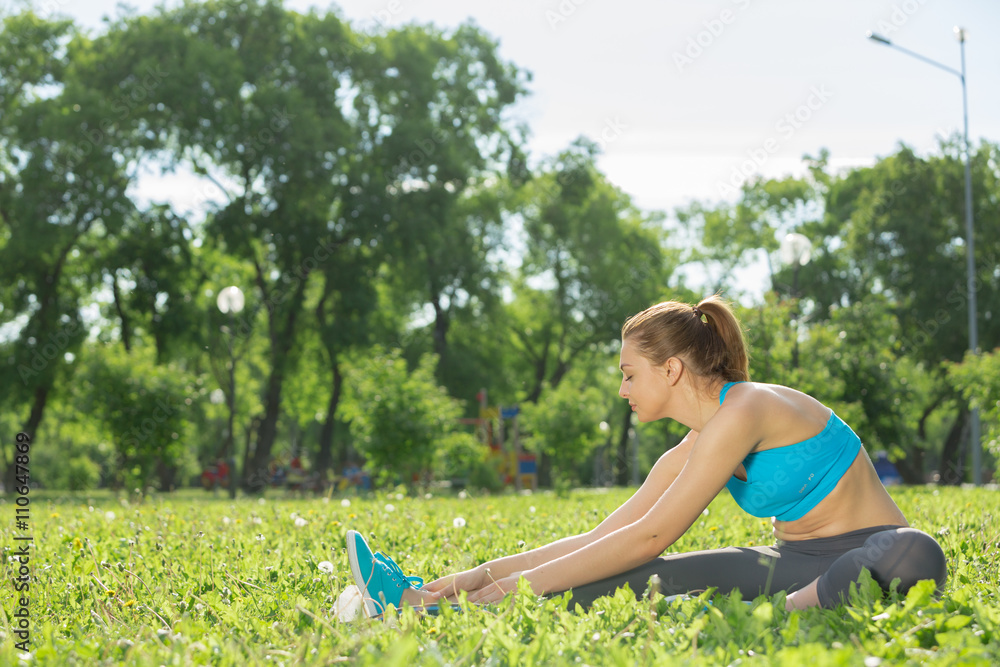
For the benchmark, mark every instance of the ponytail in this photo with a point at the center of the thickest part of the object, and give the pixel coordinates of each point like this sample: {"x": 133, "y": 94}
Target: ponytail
{"x": 713, "y": 347}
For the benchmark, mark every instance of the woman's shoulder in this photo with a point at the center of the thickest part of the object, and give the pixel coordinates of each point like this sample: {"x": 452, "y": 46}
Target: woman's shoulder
{"x": 775, "y": 404}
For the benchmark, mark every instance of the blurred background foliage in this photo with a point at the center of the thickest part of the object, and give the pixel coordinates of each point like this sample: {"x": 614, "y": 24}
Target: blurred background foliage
{"x": 399, "y": 252}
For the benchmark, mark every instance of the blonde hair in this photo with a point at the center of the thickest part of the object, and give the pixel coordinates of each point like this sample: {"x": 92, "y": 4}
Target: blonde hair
{"x": 711, "y": 347}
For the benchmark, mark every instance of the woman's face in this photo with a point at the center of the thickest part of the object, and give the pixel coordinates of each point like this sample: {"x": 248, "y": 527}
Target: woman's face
{"x": 643, "y": 385}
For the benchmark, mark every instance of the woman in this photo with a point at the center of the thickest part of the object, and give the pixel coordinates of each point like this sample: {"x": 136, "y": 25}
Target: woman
{"x": 781, "y": 453}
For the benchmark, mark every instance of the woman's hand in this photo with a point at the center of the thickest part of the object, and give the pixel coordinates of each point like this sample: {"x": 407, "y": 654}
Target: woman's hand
{"x": 469, "y": 580}
{"x": 496, "y": 590}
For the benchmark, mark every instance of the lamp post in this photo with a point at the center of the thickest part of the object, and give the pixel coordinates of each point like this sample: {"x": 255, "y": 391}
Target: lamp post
{"x": 230, "y": 302}
{"x": 970, "y": 255}
{"x": 796, "y": 250}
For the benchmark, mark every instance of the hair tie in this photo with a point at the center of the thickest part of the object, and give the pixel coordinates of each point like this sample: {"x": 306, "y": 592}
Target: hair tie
{"x": 697, "y": 312}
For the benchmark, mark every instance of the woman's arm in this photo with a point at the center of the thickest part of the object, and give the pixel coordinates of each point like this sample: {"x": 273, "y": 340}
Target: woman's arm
{"x": 721, "y": 446}
{"x": 663, "y": 474}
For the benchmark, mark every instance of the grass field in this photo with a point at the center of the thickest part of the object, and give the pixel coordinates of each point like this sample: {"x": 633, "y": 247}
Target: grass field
{"x": 192, "y": 580}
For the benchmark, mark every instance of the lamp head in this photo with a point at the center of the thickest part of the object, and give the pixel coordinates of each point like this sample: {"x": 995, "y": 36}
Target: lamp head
{"x": 875, "y": 37}
{"x": 960, "y": 33}
{"x": 230, "y": 300}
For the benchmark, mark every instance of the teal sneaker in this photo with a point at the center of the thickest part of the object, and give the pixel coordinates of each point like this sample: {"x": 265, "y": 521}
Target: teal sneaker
{"x": 378, "y": 577}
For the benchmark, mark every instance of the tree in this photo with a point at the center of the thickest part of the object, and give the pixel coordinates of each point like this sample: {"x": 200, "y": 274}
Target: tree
{"x": 977, "y": 378}
{"x": 61, "y": 193}
{"x": 439, "y": 148}
{"x": 566, "y": 428}
{"x": 901, "y": 226}
{"x": 400, "y": 415}
{"x": 592, "y": 260}
{"x": 251, "y": 98}
{"x": 145, "y": 411}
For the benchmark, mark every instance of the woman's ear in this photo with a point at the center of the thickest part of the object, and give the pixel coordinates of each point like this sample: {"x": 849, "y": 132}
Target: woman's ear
{"x": 674, "y": 368}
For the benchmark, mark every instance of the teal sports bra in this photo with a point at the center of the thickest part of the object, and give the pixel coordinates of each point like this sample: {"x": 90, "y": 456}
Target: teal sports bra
{"x": 786, "y": 482}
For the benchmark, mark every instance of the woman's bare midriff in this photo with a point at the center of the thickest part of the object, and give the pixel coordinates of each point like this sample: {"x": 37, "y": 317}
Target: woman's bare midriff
{"x": 858, "y": 501}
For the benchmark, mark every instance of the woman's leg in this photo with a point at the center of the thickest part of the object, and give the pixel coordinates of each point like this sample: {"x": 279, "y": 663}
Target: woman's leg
{"x": 751, "y": 570}
{"x": 904, "y": 553}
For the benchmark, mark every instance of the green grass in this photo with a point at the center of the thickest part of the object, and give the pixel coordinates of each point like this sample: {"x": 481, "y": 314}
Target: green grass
{"x": 191, "y": 580}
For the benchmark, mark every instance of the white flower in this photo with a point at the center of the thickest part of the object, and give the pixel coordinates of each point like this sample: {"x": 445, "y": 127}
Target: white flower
{"x": 399, "y": 496}
{"x": 225, "y": 520}
{"x": 299, "y": 522}
{"x": 389, "y": 507}
{"x": 459, "y": 522}
{"x": 532, "y": 509}
{"x": 325, "y": 566}
{"x": 349, "y": 605}
{"x": 259, "y": 538}
{"x": 261, "y": 501}
{"x": 346, "y": 502}
{"x": 255, "y": 520}
{"x": 462, "y": 494}
{"x": 109, "y": 515}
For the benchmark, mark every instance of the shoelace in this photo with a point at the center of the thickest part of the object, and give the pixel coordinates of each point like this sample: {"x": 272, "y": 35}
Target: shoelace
{"x": 396, "y": 572}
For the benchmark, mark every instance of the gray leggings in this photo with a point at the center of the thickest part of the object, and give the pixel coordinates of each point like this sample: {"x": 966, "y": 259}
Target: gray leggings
{"x": 887, "y": 552}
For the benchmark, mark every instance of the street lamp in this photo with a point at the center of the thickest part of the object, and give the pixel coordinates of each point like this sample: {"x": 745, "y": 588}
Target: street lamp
{"x": 230, "y": 302}
{"x": 970, "y": 255}
{"x": 795, "y": 249}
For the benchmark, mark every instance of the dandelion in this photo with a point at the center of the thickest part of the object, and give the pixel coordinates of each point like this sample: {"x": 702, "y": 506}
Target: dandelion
{"x": 109, "y": 515}
{"x": 77, "y": 544}
{"x": 259, "y": 538}
{"x": 462, "y": 494}
{"x": 532, "y": 509}
{"x": 346, "y": 502}
{"x": 459, "y": 522}
{"x": 300, "y": 522}
{"x": 389, "y": 507}
{"x": 325, "y": 567}
{"x": 226, "y": 520}
{"x": 704, "y": 512}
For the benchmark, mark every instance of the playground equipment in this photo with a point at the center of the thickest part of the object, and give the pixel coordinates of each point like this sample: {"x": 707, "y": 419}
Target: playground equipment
{"x": 515, "y": 466}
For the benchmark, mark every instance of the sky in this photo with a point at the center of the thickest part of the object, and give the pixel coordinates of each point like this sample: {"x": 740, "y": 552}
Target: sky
{"x": 687, "y": 98}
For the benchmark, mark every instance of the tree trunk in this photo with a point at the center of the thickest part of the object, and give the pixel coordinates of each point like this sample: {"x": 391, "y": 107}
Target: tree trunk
{"x": 167, "y": 475}
{"x": 324, "y": 458}
{"x": 30, "y": 428}
{"x": 122, "y": 315}
{"x": 622, "y": 460}
{"x": 441, "y": 326}
{"x": 540, "y": 367}
{"x": 256, "y": 476}
{"x": 951, "y": 468}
